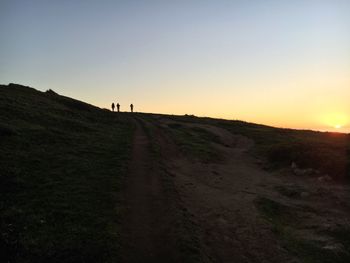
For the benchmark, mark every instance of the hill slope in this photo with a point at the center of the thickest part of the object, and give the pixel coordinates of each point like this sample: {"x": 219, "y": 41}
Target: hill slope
{"x": 81, "y": 184}
{"x": 61, "y": 165}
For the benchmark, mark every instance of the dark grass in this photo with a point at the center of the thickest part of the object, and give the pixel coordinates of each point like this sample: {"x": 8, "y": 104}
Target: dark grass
{"x": 311, "y": 251}
{"x": 195, "y": 142}
{"x": 284, "y": 220}
{"x": 292, "y": 191}
{"x": 278, "y": 214}
{"x": 342, "y": 234}
{"x": 61, "y": 166}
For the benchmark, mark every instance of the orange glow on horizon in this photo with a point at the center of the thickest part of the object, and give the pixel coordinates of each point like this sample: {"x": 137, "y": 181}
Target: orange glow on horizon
{"x": 335, "y": 120}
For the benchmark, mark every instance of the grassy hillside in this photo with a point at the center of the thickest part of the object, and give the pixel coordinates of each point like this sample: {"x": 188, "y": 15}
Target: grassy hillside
{"x": 328, "y": 153}
{"x": 61, "y": 165}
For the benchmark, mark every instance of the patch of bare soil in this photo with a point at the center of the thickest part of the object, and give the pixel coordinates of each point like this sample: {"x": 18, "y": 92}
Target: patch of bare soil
{"x": 222, "y": 198}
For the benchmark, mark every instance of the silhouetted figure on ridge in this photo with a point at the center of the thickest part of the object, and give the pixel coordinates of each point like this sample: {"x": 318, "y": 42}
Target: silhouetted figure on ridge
{"x": 118, "y": 107}
{"x": 131, "y": 107}
{"x": 113, "y": 106}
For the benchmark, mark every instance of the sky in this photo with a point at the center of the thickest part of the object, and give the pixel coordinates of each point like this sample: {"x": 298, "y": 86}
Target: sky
{"x": 281, "y": 63}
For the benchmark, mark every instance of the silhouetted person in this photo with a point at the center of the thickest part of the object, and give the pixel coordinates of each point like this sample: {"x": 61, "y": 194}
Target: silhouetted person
{"x": 118, "y": 107}
{"x": 132, "y": 107}
{"x": 113, "y": 106}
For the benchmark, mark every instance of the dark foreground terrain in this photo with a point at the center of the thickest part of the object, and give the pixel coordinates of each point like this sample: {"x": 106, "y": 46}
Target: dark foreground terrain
{"x": 83, "y": 184}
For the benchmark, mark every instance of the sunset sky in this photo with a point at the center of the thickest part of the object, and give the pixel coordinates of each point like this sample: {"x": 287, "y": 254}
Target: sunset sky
{"x": 280, "y": 63}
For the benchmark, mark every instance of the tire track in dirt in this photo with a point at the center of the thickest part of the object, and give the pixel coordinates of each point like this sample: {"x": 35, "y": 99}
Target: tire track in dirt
{"x": 137, "y": 241}
{"x": 150, "y": 221}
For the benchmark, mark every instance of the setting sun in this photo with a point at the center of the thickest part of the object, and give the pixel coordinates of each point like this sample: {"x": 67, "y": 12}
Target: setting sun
{"x": 335, "y": 120}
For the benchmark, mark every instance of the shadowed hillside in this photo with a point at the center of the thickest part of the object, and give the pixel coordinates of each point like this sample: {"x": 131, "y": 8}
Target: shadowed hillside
{"x": 83, "y": 184}
{"x": 61, "y": 165}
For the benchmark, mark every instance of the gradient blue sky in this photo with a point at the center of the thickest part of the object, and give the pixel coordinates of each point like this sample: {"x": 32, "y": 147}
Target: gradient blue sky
{"x": 282, "y": 63}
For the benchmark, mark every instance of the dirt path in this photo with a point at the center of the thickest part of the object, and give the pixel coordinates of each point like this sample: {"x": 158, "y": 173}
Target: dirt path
{"x": 148, "y": 233}
{"x": 138, "y": 196}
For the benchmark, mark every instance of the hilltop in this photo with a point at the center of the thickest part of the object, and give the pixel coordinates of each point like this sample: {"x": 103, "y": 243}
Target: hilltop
{"x": 83, "y": 184}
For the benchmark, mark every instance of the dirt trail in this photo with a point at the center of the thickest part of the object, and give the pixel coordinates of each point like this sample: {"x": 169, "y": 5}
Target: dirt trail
{"x": 148, "y": 233}
{"x": 136, "y": 228}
